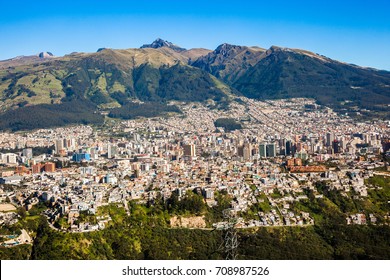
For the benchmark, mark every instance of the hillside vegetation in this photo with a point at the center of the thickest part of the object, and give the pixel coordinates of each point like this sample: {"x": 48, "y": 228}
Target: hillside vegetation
{"x": 147, "y": 234}
{"x": 161, "y": 72}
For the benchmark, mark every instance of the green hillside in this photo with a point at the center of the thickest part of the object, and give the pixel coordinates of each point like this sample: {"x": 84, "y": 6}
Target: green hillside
{"x": 146, "y": 234}
{"x": 104, "y": 80}
{"x": 162, "y": 72}
{"x": 77, "y": 111}
{"x": 229, "y": 62}
{"x": 290, "y": 73}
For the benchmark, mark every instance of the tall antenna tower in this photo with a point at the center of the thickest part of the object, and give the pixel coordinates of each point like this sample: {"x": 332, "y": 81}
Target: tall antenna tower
{"x": 230, "y": 242}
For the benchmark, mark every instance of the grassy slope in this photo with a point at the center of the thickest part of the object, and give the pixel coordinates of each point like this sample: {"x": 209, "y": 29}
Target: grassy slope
{"x": 287, "y": 74}
{"x": 108, "y": 79}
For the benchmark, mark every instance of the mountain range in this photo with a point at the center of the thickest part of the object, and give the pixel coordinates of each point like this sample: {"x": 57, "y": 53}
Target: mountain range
{"x": 75, "y": 88}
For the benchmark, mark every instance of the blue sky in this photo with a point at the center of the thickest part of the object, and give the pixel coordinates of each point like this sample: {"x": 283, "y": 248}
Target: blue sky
{"x": 351, "y": 31}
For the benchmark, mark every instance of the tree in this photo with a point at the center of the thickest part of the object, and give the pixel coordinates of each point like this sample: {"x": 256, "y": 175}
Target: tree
{"x": 22, "y": 212}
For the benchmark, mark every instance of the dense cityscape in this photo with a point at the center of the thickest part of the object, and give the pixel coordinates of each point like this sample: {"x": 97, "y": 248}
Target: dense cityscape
{"x": 194, "y": 140}
{"x": 283, "y": 152}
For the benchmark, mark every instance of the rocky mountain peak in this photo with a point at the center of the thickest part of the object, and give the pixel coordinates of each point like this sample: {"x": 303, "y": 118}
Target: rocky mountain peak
{"x": 159, "y": 43}
{"x": 273, "y": 49}
{"x": 45, "y": 54}
{"x": 225, "y": 48}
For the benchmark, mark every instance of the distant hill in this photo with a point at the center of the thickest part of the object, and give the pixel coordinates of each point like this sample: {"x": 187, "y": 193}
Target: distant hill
{"x": 229, "y": 62}
{"x": 162, "y": 71}
{"x": 75, "y": 111}
{"x": 288, "y": 73}
{"x": 25, "y": 60}
{"x": 107, "y": 79}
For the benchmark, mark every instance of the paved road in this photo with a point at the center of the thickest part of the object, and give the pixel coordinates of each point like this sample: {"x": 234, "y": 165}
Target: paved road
{"x": 382, "y": 174}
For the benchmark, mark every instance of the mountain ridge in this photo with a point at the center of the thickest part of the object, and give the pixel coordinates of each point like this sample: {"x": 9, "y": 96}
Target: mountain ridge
{"x": 159, "y": 43}
{"x": 163, "y": 71}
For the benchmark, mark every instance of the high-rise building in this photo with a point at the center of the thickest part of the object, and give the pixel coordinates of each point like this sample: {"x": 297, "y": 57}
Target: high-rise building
{"x": 263, "y": 150}
{"x": 50, "y": 167}
{"x": 288, "y": 147}
{"x": 267, "y": 150}
{"x": 247, "y": 151}
{"x": 302, "y": 155}
{"x": 329, "y": 139}
{"x": 28, "y": 153}
{"x": 11, "y": 158}
{"x": 111, "y": 151}
{"x": 36, "y": 168}
{"x": 94, "y": 153}
{"x": 70, "y": 144}
{"x": 282, "y": 146}
{"x": 78, "y": 157}
{"x": 189, "y": 150}
{"x": 240, "y": 151}
{"x": 271, "y": 150}
{"x": 336, "y": 146}
{"x": 343, "y": 143}
{"x": 59, "y": 145}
